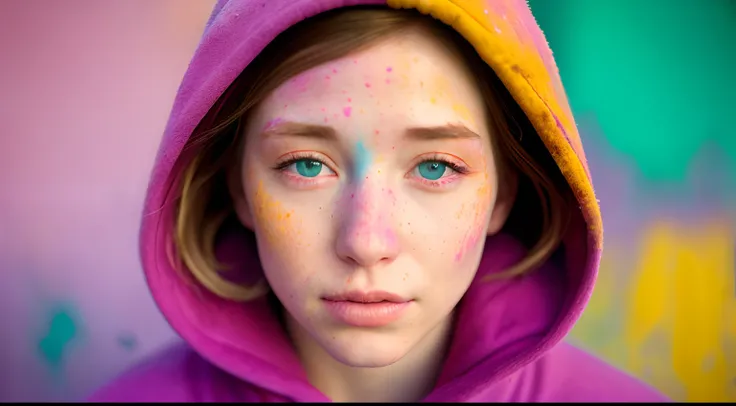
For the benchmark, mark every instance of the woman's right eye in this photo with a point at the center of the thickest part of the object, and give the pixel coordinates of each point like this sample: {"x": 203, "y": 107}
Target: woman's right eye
{"x": 309, "y": 168}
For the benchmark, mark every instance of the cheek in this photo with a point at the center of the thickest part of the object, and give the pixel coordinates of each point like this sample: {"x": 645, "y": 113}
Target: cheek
{"x": 475, "y": 215}
{"x": 284, "y": 248}
{"x": 277, "y": 226}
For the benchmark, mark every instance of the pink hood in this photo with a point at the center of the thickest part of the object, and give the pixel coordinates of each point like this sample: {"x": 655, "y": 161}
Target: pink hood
{"x": 505, "y": 331}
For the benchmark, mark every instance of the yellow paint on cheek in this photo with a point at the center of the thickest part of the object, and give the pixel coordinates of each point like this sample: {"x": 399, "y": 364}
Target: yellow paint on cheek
{"x": 273, "y": 220}
{"x": 478, "y": 226}
{"x": 460, "y": 212}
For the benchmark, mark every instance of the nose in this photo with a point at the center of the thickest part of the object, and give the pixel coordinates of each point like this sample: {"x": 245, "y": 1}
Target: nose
{"x": 367, "y": 236}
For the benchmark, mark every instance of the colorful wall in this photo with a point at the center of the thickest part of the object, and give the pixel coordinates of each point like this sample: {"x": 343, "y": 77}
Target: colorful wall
{"x": 651, "y": 84}
{"x": 87, "y": 86}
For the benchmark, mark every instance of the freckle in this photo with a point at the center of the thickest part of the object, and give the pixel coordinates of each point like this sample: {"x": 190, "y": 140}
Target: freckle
{"x": 355, "y": 61}
{"x": 367, "y": 84}
{"x": 327, "y": 77}
{"x": 421, "y": 83}
{"x": 344, "y": 92}
{"x": 389, "y": 69}
{"x": 416, "y": 60}
{"x": 377, "y": 132}
{"x": 286, "y": 105}
{"x": 323, "y": 109}
{"x": 346, "y": 111}
{"x": 352, "y": 195}
{"x": 334, "y": 71}
{"x": 361, "y": 111}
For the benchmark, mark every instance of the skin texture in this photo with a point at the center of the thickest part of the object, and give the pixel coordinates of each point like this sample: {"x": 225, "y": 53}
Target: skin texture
{"x": 370, "y": 220}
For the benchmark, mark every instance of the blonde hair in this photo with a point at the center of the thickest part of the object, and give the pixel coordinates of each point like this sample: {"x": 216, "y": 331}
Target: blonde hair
{"x": 544, "y": 201}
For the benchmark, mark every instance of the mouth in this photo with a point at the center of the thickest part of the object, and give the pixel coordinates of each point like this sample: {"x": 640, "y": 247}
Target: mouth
{"x": 367, "y": 309}
{"x": 366, "y": 297}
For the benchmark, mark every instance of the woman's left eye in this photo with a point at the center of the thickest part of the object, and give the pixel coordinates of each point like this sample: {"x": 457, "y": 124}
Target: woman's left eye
{"x": 433, "y": 170}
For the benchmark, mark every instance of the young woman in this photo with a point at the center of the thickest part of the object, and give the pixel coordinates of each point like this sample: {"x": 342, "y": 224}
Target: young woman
{"x": 361, "y": 201}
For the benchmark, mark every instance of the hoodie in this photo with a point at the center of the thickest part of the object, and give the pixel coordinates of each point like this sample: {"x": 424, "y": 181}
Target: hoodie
{"x": 500, "y": 351}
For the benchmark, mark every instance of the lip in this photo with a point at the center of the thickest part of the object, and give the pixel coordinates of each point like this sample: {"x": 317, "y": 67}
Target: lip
{"x": 366, "y": 309}
{"x": 374, "y": 296}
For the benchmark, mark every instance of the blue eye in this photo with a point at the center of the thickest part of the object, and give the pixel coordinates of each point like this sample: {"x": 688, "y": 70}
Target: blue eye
{"x": 308, "y": 168}
{"x": 432, "y": 170}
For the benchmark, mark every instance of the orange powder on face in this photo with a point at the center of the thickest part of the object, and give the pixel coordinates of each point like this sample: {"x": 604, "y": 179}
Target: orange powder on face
{"x": 478, "y": 228}
{"x": 275, "y": 222}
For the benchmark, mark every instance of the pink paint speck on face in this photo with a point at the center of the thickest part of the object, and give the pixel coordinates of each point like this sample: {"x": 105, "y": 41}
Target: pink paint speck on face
{"x": 388, "y": 81}
{"x": 389, "y": 69}
{"x": 349, "y": 100}
{"x": 272, "y": 123}
{"x": 367, "y": 84}
{"x": 334, "y": 71}
{"x": 347, "y": 110}
{"x": 301, "y": 83}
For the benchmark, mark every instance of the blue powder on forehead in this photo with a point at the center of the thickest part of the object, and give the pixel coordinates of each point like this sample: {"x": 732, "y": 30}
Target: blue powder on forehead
{"x": 362, "y": 160}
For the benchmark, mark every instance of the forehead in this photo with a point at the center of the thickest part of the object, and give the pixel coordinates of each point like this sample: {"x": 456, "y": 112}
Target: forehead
{"x": 410, "y": 79}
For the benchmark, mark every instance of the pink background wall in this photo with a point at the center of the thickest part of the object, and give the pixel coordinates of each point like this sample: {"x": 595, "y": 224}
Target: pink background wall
{"x": 86, "y": 89}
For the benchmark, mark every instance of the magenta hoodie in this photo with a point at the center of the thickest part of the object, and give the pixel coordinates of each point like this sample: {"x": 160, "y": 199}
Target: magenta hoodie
{"x": 507, "y": 345}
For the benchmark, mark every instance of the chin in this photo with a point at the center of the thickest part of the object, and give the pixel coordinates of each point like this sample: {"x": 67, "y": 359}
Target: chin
{"x": 366, "y": 349}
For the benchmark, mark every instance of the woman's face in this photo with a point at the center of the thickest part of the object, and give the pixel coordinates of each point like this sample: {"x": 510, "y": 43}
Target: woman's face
{"x": 370, "y": 185}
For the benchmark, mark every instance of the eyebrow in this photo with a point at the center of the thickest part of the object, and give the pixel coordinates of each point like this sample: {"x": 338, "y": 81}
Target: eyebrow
{"x": 450, "y": 131}
{"x": 293, "y": 129}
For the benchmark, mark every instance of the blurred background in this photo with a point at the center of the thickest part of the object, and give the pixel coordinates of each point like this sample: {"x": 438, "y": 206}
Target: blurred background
{"x": 86, "y": 87}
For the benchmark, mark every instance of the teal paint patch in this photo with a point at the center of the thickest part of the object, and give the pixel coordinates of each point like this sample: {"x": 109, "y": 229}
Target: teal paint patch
{"x": 128, "y": 342}
{"x": 362, "y": 160}
{"x": 62, "y": 329}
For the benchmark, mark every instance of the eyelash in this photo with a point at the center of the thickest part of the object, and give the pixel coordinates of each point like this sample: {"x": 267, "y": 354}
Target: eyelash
{"x": 295, "y": 157}
{"x": 458, "y": 169}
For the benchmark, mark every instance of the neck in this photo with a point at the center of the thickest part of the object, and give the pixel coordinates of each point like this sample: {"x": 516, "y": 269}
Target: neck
{"x": 409, "y": 379}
